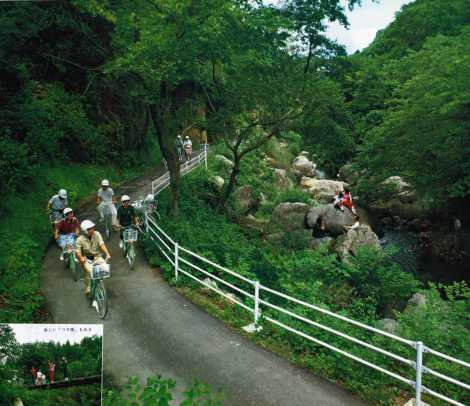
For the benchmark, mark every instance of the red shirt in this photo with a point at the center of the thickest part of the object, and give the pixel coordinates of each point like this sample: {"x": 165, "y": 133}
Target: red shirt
{"x": 347, "y": 201}
{"x": 67, "y": 227}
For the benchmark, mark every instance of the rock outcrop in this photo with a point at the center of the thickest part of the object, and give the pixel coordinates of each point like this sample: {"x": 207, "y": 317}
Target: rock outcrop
{"x": 398, "y": 198}
{"x": 282, "y": 180}
{"x": 302, "y": 166}
{"x": 224, "y": 162}
{"x": 290, "y": 215}
{"x": 349, "y": 243}
{"x": 388, "y": 325}
{"x": 217, "y": 182}
{"x": 245, "y": 199}
{"x": 322, "y": 190}
{"x": 335, "y": 219}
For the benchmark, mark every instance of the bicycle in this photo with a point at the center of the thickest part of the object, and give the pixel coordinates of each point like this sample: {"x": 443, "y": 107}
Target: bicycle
{"x": 55, "y": 216}
{"x": 70, "y": 258}
{"x": 108, "y": 218}
{"x": 98, "y": 296}
{"x": 130, "y": 236}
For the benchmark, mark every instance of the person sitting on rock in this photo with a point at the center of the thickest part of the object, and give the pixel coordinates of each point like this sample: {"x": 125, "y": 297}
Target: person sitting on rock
{"x": 347, "y": 202}
{"x": 337, "y": 200}
{"x": 319, "y": 229}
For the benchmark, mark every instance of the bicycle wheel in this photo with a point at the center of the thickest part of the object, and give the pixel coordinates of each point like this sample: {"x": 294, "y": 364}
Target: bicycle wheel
{"x": 131, "y": 255}
{"x": 73, "y": 267}
{"x": 101, "y": 299}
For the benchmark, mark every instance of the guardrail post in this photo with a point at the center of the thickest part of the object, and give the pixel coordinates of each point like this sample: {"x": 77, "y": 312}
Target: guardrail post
{"x": 253, "y": 327}
{"x": 176, "y": 260}
{"x": 205, "y": 157}
{"x": 256, "y": 302}
{"x": 419, "y": 372}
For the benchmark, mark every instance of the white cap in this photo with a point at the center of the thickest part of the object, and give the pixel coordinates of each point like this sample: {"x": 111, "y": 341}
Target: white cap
{"x": 187, "y": 137}
{"x": 125, "y": 198}
{"x": 67, "y": 210}
{"x": 86, "y": 225}
{"x": 62, "y": 193}
{"x": 105, "y": 182}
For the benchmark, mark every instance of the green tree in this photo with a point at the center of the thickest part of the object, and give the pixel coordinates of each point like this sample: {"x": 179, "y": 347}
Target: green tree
{"x": 424, "y": 134}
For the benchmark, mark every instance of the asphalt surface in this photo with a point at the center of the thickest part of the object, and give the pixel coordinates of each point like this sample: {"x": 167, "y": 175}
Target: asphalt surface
{"x": 151, "y": 329}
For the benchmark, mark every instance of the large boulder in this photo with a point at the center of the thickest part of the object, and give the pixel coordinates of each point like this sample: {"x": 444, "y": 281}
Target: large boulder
{"x": 245, "y": 199}
{"x": 217, "y": 182}
{"x": 335, "y": 219}
{"x": 388, "y": 325}
{"x": 302, "y": 166}
{"x": 223, "y": 161}
{"x": 290, "y": 215}
{"x": 349, "y": 243}
{"x": 323, "y": 190}
{"x": 396, "y": 187}
{"x": 398, "y": 198}
{"x": 281, "y": 179}
{"x": 348, "y": 174}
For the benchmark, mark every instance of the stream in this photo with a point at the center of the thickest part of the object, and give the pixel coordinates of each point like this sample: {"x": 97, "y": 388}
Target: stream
{"x": 409, "y": 255}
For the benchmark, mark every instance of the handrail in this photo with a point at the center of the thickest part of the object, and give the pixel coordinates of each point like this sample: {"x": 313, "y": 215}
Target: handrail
{"x": 174, "y": 257}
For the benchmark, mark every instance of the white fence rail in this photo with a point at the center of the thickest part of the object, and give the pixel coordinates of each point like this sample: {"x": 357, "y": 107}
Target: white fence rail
{"x": 186, "y": 262}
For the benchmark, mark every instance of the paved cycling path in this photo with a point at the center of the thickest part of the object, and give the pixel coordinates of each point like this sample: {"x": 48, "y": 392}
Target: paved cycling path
{"x": 151, "y": 329}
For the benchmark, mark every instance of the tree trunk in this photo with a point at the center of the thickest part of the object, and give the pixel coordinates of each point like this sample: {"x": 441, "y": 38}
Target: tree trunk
{"x": 165, "y": 138}
{"x": 232, "y": 181}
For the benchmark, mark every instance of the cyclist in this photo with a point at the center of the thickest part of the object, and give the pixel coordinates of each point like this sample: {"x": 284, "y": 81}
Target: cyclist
{"x": 179, "y": 147}
{"x": 90, "y": 245}
{"x": 105, "y": 197}
{"x": 57, "y": 204}
{"x": 126, "y": 216}
{"x": 65, "y": 229}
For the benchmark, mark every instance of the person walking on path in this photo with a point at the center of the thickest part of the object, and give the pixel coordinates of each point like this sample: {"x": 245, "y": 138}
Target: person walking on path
{"x": 188, "y": 148}
{"x": 179, "y": 147}
{"x": 51, "y": 372}
{"x": 34, "y": 372}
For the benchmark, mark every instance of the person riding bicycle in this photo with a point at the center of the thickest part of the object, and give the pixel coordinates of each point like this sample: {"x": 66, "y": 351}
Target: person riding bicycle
{"x": 57, "y": 204}
{"x": 105, "y": 197}
{"x": 126, "y": 217}
{"x": 65, "y": 229}
{"x": 179, "y": 147}
{"x": 90, "y": 245}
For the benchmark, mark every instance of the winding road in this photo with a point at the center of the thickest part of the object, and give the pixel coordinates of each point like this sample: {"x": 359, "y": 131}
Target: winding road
{"x": 151, "y": 329}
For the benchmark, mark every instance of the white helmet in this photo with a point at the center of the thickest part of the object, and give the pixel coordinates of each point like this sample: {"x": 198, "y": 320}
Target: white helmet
{"x": 149, "y": 198}
{"x": 67, "y": 210}
{"x": 178, "y": 136}
{"x": 105, "y": 182}
{"x": 62, "y": 193}
{"x": 125, "y": 198}
{"x": 187, "y": 137}
{"x": 86, "y": 225}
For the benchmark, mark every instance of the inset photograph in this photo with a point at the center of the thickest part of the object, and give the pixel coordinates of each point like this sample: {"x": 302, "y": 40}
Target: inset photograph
{"x": 51, "y": 364}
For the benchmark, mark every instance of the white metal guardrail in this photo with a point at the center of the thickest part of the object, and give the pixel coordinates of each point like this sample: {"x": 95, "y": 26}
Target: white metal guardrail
{"x": 185, "y": 167}
{"x": 186, "y": 262}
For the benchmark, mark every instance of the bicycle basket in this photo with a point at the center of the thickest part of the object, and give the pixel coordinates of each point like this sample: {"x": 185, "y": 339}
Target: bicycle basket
{"x": 130, "y": 235}
{"x": 101, "y": 271}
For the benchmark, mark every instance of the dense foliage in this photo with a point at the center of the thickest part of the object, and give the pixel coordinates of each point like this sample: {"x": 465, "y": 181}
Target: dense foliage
{"x": 160, "y": 391}
{"x": 408, "y": 96}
